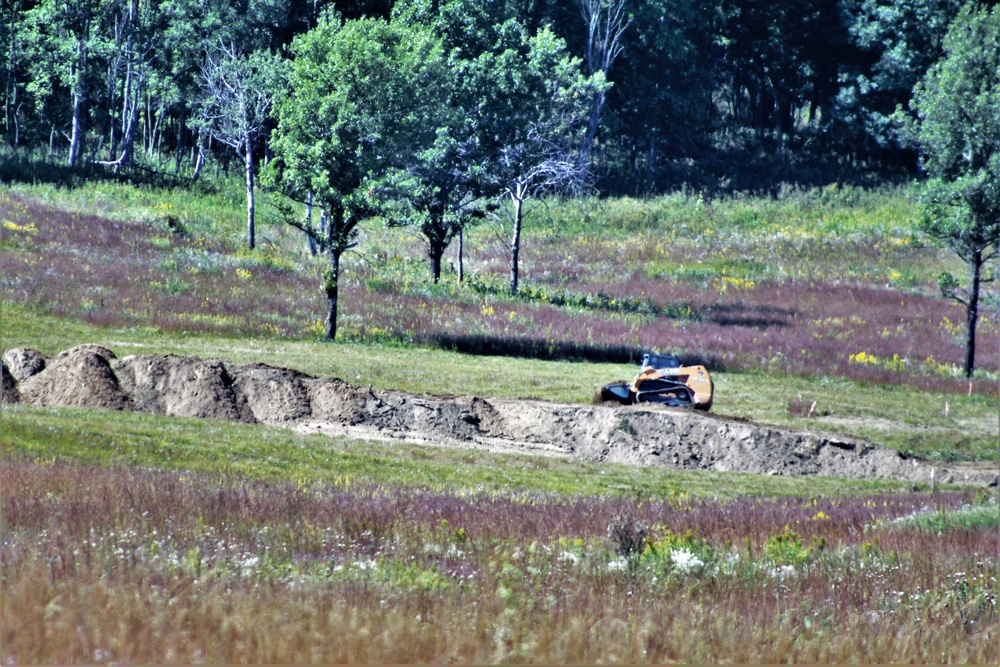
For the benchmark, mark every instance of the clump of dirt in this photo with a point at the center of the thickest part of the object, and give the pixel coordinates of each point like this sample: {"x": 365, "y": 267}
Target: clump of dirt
{"x": 91, "y": 376}
{"x": 23, "y": 362}
{"x": 334, "y": 400}
{"x": 183, "y": 387}
{"x": 273, "y": 395}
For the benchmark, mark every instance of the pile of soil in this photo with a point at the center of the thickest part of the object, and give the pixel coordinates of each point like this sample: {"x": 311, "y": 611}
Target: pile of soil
{"x": 92, "y": 376}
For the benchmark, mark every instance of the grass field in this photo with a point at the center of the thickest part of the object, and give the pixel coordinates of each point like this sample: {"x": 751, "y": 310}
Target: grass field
{"x": 127, "y": 563}
{"x": 826, "y": 283}
{"x": 142, "y": 538}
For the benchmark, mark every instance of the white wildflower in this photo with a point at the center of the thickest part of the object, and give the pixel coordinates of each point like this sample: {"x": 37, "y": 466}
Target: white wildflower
{"x": 248, "y": 565}
{"x": 781, "y": 573}
{"x": 618, "y": 565}
{"x": 569, "y": 557}
{"x": 365, "y": 564}
{"x": 684, "y": 560}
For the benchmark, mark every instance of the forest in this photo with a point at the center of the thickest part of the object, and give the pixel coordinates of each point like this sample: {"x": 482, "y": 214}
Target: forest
{"x": 721, "y": 95}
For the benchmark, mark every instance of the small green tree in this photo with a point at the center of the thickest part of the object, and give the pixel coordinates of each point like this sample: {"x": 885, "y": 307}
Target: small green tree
{"x": 440, "y": 190}
{"x": 535, "y": 117}
{"x": 358, "y": 103}
{"x": 957, "y": 126}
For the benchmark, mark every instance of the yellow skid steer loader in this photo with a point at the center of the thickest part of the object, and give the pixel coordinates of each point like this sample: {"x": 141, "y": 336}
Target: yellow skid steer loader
{"x": 662, "y": 379}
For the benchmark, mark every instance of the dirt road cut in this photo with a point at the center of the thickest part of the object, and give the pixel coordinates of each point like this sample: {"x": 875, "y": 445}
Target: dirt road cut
{"x": 93, "y": 376}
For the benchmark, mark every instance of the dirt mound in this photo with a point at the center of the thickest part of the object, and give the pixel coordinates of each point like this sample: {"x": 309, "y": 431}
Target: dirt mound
{"x": 91, "y": 376}
{"x": 333, "y": 400}
{"x": 80, "y": 377}
{"x": 273, "y": 395}
{"x": 23, "y": 362}
{"x": 183, "y": 387}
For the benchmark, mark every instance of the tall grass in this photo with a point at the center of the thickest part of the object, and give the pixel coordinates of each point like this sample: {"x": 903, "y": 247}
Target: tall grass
{"x": 108, "y": 564}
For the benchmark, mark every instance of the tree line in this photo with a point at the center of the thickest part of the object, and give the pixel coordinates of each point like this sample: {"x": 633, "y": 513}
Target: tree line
{"x": 695, "y": 87}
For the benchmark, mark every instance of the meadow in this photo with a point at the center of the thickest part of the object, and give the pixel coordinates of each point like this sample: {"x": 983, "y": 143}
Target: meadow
{"x": 143, "y": 538}
{"x": 829, "y": 282}
{"x": 108, "y": 563}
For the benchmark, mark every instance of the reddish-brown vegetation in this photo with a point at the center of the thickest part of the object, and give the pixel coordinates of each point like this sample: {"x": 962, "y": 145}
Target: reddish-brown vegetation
{"x": 119, "y": 274}
{"x": 104, "y": 564}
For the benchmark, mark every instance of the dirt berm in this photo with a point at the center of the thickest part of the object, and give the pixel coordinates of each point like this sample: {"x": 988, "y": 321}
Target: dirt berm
{"x": 94, "y": 377}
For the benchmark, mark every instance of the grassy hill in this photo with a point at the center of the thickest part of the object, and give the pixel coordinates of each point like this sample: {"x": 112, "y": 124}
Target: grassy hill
{"x": 824, "y": 296}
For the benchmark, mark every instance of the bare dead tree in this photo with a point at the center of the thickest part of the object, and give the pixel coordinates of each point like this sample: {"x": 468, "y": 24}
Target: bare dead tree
{"x": 239, "y": 92}
{"x": 606, "y": 22}
{"x": 553, "y": 169}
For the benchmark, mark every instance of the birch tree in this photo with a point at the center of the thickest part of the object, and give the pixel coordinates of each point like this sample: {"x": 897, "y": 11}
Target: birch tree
{"x": 606, "y": 22}
{"x": 239, "y": 93}
{"x": 533, "y": 118}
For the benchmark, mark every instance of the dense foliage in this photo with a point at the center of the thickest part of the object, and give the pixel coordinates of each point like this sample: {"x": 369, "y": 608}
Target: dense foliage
{"x": 958, "y": 126}
{"x": 801, "y": 90}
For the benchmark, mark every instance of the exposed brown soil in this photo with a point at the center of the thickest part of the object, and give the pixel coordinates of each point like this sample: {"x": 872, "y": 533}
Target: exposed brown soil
{"x": 92, "y": 376}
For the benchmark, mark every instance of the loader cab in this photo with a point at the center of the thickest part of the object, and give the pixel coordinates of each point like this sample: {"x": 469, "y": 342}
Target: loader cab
{"x": 652, "y": 360}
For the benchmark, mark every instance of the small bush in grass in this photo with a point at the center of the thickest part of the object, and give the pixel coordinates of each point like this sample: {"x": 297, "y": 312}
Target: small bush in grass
{"x": 682, "y": 553}
{"x": 787, "y": 548}
{"x": 628, "y": 536}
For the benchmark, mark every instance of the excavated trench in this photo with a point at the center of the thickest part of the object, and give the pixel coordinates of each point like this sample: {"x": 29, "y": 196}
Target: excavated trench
{"x": 92, "y": 376}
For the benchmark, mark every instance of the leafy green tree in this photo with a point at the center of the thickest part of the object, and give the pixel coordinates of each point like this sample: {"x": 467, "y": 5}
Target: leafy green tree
{"x": 357, "y": 107}
{"x": 957, "y": 126}
{"x": 533, "y": 111}
{"x": 64, "y": 38}
{"x": 11, "y": 41}
{"x": 440, "y": 190}
{"x": 893, "y": 43}
{"x": 525, "y": 106}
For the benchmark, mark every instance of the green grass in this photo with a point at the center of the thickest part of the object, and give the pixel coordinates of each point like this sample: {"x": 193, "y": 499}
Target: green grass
{"x": 968, "y": 517}
{"x": 832, "y": 212}
{"x": 210, "y": 209}
{"x": 280, "y": 455}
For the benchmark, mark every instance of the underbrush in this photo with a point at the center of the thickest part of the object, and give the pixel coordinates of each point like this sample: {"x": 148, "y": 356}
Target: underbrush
{"x": 107, "y": 564}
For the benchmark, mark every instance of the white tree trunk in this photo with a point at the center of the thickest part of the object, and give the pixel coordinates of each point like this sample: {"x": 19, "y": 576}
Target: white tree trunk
{"x": 248, "y": 163}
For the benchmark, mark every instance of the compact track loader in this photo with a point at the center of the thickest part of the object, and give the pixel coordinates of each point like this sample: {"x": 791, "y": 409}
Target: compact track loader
{"x": 662, "y": 379}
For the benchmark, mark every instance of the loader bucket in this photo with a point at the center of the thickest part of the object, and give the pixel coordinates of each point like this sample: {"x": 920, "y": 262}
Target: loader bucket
{"x": 617, "y": 391}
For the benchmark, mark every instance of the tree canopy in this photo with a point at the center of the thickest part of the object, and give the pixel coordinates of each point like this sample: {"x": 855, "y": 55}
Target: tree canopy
{"x": 957, "y": 126}
{"x": 801, "y": 91}
{"x": 361, "y": 101}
